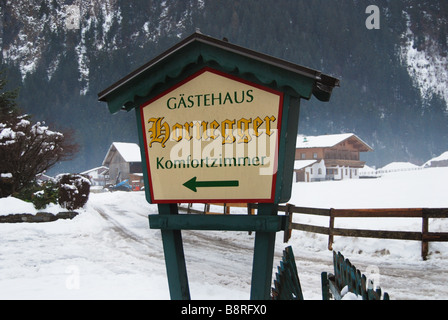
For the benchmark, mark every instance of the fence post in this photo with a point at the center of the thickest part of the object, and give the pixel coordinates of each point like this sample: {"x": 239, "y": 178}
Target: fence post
{"x": 425, "y": 230}
{"x": 250, "y": 209}
{"x": 288, "y": 230}
{"x": 330, "y": 230}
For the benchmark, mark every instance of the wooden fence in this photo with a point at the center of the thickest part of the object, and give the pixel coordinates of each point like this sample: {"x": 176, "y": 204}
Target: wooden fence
{"x": 419, "y": 213}
{"x": 346, "y": 274}
{"x": 346, "y": 278}
{"x": 286, "y": 283}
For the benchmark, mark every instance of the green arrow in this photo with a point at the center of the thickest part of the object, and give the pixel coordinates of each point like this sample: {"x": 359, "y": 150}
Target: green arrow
{"x": 192, "y": 184}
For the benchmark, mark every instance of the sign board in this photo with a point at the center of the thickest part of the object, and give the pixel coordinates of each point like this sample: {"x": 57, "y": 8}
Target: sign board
{"x": 213, "y": 137}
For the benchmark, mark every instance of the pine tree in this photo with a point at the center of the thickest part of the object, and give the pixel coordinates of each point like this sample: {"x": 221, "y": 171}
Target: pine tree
{"x": 8, "y": 104}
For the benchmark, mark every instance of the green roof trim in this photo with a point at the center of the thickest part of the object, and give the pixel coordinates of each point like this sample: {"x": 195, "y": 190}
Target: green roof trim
{"x": 198, "y": 51}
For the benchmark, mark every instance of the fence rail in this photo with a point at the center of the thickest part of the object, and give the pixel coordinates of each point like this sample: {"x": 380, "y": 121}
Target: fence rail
{"x": 376, "y": 173}
{"x": 423, "y": 213}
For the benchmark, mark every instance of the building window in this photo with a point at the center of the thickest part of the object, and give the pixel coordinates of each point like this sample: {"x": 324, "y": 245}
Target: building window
{"x": 315, "y": 155}
{"x": 303, "y": 156}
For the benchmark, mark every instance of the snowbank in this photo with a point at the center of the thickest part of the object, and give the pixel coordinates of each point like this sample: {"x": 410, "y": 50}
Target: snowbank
{"x": 405, "y": 189}
{"x": 11, "y": 205}
{"x": 109, "y": 252}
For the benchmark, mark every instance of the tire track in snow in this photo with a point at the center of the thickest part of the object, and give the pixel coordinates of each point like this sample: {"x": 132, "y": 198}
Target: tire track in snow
{"x": 209, "y": 257}
{"x": 147, "y": 248}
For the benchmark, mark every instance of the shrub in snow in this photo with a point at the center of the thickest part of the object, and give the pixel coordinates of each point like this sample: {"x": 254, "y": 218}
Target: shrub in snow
{"x": 40, "y": 195}
{"x": 48, "y": 194}
{"x": 28, "y": 149}
{"x": 74, "y": 191}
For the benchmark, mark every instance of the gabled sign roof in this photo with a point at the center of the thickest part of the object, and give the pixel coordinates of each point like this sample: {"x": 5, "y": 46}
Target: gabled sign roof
{"x": 199, "y": 50}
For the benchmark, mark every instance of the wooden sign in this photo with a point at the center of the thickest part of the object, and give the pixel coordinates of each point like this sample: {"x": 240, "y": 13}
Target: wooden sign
{"x": 217, "y": 123}
{"x": 212, "y": 138}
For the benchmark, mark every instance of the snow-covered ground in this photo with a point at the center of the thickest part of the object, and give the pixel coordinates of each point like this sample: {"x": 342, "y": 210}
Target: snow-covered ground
{"x": 109, "y": 252}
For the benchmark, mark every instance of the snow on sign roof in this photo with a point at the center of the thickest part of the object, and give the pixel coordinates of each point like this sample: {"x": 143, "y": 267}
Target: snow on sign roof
{"x": 129, "y": 151}
{"x": 327, "y": 141}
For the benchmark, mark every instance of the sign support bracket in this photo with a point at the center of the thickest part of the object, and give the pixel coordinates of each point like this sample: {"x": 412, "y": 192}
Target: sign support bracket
{"x": 266, "y": 224}
{"x": 263, "y": 257}
{"x": 174, "y": 257}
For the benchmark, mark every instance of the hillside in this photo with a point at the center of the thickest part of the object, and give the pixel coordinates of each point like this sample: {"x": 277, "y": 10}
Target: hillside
{"x": 393, "y": 80}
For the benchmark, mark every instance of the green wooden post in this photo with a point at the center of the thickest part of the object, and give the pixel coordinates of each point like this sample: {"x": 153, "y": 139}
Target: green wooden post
{"x": 174, "y": 257}
{"x": 325, "y": 286}
{"x": 263, "y": 257}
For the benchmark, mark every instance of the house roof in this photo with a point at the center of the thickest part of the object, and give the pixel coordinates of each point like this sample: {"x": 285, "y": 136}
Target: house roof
{"x": 442, "y": 157}
{"x": 129, "y": 151}
{"x": 301, "y": 164}
{"x": 100, "y": 170}
{"x": 328, "y": 141}
{"x": 199, "y": 50}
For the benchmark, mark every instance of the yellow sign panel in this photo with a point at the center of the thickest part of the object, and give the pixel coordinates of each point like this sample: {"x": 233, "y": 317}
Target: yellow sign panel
{"x": 213, "y": 137}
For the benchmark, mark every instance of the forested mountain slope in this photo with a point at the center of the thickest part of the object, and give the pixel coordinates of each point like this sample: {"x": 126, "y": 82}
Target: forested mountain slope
{"x": 393, "y": 80}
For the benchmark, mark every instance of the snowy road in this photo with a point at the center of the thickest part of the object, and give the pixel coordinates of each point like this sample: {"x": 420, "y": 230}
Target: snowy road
{"x": 223, "y": 261}
{"x": 109, "y": 252}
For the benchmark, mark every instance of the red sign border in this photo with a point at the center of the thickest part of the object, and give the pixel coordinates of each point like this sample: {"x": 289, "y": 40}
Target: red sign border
{"x": 235, "y": 78}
